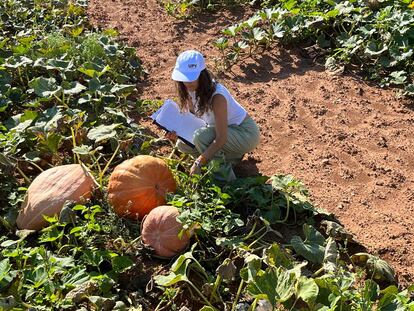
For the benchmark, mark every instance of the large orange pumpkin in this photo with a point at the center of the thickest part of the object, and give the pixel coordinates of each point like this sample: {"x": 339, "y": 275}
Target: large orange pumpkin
{"x": 138, "y": 185}
{"x": 50, "y": 190}
{"x": 160, "y": 230}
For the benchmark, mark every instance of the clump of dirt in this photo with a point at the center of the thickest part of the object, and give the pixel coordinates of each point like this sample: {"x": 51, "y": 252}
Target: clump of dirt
{"x": 349, "y": 141}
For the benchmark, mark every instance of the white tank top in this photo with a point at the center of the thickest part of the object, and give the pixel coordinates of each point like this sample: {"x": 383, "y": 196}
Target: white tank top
{"x": 235, "y": 112}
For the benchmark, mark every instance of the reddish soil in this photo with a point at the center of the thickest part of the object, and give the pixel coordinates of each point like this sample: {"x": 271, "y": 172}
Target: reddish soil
{"x": 350, "y": 142}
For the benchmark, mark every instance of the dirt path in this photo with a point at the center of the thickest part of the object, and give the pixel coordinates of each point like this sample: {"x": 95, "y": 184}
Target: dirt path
{"x": 351, "y": 143}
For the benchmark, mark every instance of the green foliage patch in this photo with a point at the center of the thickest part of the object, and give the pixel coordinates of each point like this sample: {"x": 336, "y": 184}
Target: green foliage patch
{"x": 377, "y": 36}
{"x": 67, "y": 95}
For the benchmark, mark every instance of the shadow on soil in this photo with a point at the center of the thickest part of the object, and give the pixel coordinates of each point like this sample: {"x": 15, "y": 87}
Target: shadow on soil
{"x": 410, "y": 105}
{"x": 217, "y": 19}
{"x": 277, "y": 64}
{"x": 246, "y": 168}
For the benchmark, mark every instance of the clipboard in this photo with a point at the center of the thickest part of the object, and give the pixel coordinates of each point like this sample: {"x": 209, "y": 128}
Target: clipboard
{"x": 170, "y": 118}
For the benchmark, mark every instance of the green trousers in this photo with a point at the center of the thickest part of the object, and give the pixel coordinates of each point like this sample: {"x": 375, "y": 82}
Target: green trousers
{"x": 241, "y": 139}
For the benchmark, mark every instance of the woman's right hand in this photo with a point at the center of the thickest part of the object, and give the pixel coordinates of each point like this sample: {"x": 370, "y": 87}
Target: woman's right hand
{"x": 171, "y": 136}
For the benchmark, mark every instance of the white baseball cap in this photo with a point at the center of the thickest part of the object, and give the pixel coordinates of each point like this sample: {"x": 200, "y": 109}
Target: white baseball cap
{"x": 188, "y": 66}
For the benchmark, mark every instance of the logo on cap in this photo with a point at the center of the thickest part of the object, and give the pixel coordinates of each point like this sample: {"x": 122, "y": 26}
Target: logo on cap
{"x": 192, "y": 66}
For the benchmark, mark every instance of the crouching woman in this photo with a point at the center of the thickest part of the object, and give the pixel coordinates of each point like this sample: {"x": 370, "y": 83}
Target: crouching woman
{"x": 230, "y": 132}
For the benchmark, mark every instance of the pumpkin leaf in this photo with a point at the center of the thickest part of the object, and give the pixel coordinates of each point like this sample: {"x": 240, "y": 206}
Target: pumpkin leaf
{"x": 72, "y": 88}
{"x": 18, "y": 61}
{"x": 253, "y": 266}
{"x": 336, "y": 231}
{"x": 278, "y": 30}
{"x": 379, "y": 269}
{"x": 6, "y": 272}
{"x": 32, "y": 156}
{"x": 24, "y": 233}
{"x": 121, "y": 263}
{"x": 331, "y": 256}
{"x": 258, "y": 34}
{"x": 371, "y": 290}
{"x": 5, "y": 160}
{"x": 61, "y": 65}
{"x": 122, "y": 89}
{"x": 93, "y": 70}
{"x": 306, "y": 289}
{"x": 83, "y": 150}
{"x": 103, "y": 132}
{"x": 274, "y": 284}
{"x": 398, "y": 77}
{"x": 227, "y": 270}
{"x": 231, "y": 31}
{"x": 4, "y": 104}
{"x": 45, "y": 87}
{"x": 180, "y": 274}
{"x": 312, "y": 247}
{"x": 178, "y": 271}
{"x": 5, "y": 77}
{"x": 274, "y": 256}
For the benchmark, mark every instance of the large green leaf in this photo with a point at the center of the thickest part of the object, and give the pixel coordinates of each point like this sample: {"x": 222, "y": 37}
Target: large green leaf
{"x": 409, "y": 89}
{"x": 121, "y": 263}
{"x": 18, "y": 61}
{"x": 52, "y": 142}
{"x": 331, "y": 256}
{"x": 61, "y": 65}
{"x": 374, "y": 49}
{"x": 103, "y": 132}
{"x": 253, "y": 266}
{"x": 73, "y": 88}
{"x": 227, "y": 270}
{"x": 93, "y": 70}
{"x": 5, "y": 77}
{"x": 392, "y": 300}
{"x": 48, "y": 120}
{"x": 278, "y": 30}
{"x": 258, "y": 34}
{"x": 122, "y": 89}
{"x": 5, "y": 268}
{"x": 274, "y": 284}
{"x": 252, "y": 21}
{"x": 275, "y": 256}
{"x": 371, "y": 291}
{"x": 398, "y": 77}
{"x": 312, "y": 247}
{"x": 231, "y": 31}
{"x": 4, "y": 103}
{"x": 45, "y": 87}
{"x": 307, "y": 289}
{"x": 178, "y": 275}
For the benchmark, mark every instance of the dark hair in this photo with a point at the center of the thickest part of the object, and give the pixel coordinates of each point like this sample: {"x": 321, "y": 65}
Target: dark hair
{"x": 206, "y": 88}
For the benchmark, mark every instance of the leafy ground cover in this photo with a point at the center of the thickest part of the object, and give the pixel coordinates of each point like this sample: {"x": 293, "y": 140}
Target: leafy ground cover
{"x": 253, "y": 233}
{"x": 375, "y": 37}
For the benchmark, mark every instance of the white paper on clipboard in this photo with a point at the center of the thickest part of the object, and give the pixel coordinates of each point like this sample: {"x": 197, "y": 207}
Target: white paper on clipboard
{"x": 170, "y": 118}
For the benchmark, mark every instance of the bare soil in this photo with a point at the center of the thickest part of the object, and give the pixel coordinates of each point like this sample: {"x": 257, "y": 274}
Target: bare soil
{"x": 349, "y": 141}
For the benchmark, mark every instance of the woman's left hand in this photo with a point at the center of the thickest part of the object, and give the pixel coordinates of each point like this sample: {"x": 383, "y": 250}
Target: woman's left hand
{"x": 195, "y": 169}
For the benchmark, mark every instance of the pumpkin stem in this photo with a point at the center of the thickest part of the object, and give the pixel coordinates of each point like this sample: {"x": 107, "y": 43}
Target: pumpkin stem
{"x": 23, "y": 174}
{"x": 201, "y": 295}
{"x": 107, "y": 165}
{"x": 236, "y": 299}
{"x": 75, "y": 155}
{"x": 172, "y": 152}
{"x": 217, "y": 283}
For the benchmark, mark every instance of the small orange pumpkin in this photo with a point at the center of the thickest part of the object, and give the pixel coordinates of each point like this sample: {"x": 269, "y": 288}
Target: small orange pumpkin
{"x": 50, "y": 190}
{"x": 160, "y": 230}
{"x": 138, "y": 185}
